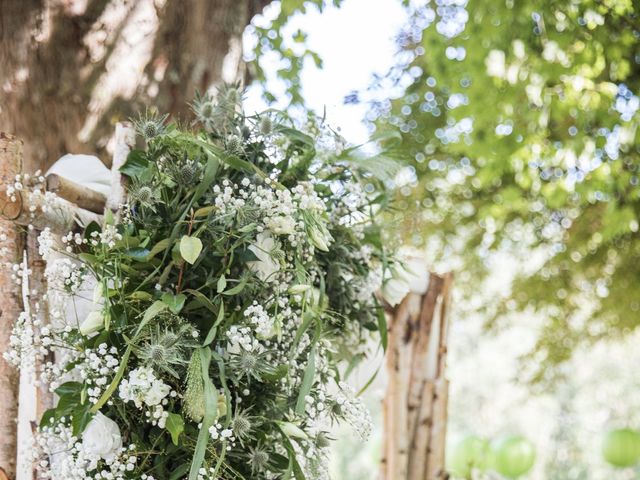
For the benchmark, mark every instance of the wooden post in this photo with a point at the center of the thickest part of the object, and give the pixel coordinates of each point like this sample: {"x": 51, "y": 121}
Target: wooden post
{"x": 10, "y": 308}
{"x": 124, "y": 142}
{"x": 415, "y": 404}
{"x": 82, "y": 196}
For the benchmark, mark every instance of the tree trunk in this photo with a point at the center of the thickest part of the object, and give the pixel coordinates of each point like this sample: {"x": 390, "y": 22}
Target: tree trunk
{"x": 70, "y": 69}
{"x": 415, "y": 404}
{"x": 10, "y": 308}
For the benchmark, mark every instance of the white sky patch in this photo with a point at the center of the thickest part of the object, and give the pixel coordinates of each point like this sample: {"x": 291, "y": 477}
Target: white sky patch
{"x": 354, "y": 41}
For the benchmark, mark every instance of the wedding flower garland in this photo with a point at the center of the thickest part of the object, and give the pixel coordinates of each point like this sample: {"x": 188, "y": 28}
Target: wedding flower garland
{"x": 232, "y": 291}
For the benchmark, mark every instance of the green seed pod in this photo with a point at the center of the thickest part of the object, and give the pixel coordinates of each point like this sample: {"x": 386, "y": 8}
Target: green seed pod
{"x": 194, "y": 393}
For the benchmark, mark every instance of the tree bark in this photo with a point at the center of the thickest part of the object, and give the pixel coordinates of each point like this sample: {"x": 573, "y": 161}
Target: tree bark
{"x": 415, "y": 404}
{"x": 10, "y": 308}
{"x": 69, "y": 70}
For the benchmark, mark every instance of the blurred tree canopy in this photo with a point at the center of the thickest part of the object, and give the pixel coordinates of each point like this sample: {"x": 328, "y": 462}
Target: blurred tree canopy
{"x": 521, "y": 123}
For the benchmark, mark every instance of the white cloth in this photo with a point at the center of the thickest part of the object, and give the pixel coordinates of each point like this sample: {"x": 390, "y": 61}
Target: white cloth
{"x": 86, "y": 170}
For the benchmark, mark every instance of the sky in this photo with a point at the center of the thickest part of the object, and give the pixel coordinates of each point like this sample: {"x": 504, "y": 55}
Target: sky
{"x": 355, "y": 41}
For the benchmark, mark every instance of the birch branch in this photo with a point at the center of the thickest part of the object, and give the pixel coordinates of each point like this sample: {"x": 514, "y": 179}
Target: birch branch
{"x": 83, "y": 197}
{"x": 10, "y": 308}
{"x": 124, "y": 142}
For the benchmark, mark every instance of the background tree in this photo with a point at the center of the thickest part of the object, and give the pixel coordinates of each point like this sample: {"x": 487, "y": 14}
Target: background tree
{"x": 520, "y": 123}
{"x": 71, "y": 69}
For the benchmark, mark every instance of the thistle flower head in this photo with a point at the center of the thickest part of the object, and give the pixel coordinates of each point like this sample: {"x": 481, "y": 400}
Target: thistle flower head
{"x": 233, "y": 144}
{"x": 143, "y": 195}
{"x": 242, "y": 424}
{"x": 166, "y": 349}
{"x": 265, "y": 126}
{"x": 258, "y": 459}
{"x": 150, "y": 124}
{"x": 187, "y": 173}
{"x": 204, "y": 108}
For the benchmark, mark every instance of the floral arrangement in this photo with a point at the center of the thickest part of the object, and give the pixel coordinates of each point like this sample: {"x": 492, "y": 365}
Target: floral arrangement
{"x": 233, "y": 290}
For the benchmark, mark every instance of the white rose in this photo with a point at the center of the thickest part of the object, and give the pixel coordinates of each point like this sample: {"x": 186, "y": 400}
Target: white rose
{"x": 394, "y": 290}
{"x": 416, "y": 274}
{"x": 410, "y": 274}
{"x": 266, "y": 266}
{"x": 92, "y": 324}
{"x": 102, "y": 438}
{"x": 281, "y": 225}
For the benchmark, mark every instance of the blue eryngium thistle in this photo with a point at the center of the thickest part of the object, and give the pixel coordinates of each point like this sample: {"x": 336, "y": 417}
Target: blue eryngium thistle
{"x": 186, "y": 172}
{"x": 143, "y": 195}
{"x": 242, "y": 424}
{"x": 258, "y": 458}
{"x": 150, "y": 124}
{"x": 166, "y": 350}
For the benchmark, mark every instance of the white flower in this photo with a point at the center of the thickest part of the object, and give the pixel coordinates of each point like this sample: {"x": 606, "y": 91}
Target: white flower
{"x": 266, "y": 266}
{"x": 92, "y": 324}
{"x": 102, "y": 438}
{"x": 143, "y": 388}
{"x": 281, "y": 225}
{"x": 394, "y": 290}
{"x": 410, "y": 275}
{"x": 416, "y": 272}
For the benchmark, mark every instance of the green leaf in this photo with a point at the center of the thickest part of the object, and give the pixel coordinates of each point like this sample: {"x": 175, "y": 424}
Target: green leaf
{"x": 203, "y": 300}
{"x": 175, "y": 426}
{"x": 161, "y": 246}
{"x": 222, "y": 284}
{"x": 190, "y": 248}
{"x": 214, "y": 328}
{"x": 80, "y": 420}
{"x": 204, "y": 211}
{"x": 307, "y": 381}
{"x": 174, "y": 302}
{"x": 136, "y": 164}
{"x": 382, "y": 326}
{"x": 210, "y": 412}
{"x": 69, "y": 388}
{"x": 295, "y": 466}
{"x": 140, "y": 295}
{"x": 237, "y": 289}
{"x": 156, "y": 307}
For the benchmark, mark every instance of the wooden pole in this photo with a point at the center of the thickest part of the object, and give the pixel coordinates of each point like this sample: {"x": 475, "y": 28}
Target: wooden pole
{"x": 124, "y": 142}
{"x": 82, "y": 196}
{"x": 10, "y": 308}
{"x": 415, "y": 404}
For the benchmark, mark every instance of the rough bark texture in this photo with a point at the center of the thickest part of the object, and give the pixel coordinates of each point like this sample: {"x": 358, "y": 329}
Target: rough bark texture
{"x": 415, "y": 404}
{"x": 10, "y": 308}
{"x": 82, "y": 196}
{"x": 69, "y": 70}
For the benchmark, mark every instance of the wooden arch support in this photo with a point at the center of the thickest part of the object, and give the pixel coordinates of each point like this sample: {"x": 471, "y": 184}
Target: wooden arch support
{"x": 415, "y": 403}
{"x": 76, "y": 206}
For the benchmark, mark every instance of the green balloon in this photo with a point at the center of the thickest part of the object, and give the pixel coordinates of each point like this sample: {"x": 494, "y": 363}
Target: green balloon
{"x": 469, "y": 453}
{"x": 621, "y": 448}
{"x": 512, "y": 456}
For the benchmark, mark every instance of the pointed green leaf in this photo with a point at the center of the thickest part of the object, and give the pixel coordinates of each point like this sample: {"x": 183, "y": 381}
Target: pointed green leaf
{"x": 175, "y": 426}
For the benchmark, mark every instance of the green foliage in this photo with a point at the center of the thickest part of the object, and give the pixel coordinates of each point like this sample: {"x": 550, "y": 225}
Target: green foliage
{"x": 289, "y": 49}
{"x": 521, "y": 129}
{"x": 240, "y": 287}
